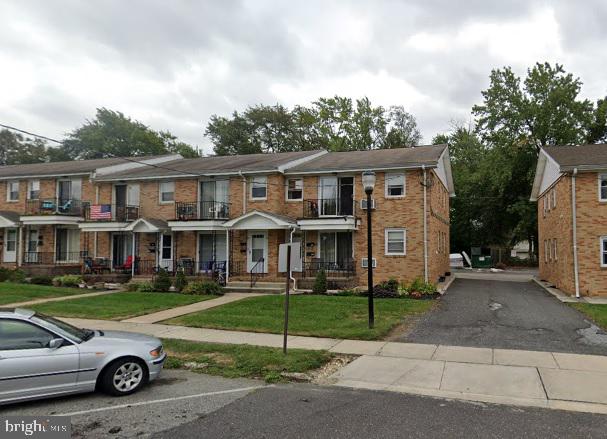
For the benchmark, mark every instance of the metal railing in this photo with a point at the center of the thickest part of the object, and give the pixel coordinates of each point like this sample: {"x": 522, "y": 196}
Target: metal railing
{"x": 55, "y": 206}
{"x": 343, "y": 269}
{"x": 110, "y": 212}
{"x": 323, "y": 207}
{"x": 257, "y": 271}
{"x": 52, "y": 258}
{"x": 202, "y": 210}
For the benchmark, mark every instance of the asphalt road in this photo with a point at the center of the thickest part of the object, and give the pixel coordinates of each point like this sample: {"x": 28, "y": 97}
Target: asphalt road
{"x": 301, "y": 411}
{"x": 175, "y": 398}
{"x": 507, "y": 315}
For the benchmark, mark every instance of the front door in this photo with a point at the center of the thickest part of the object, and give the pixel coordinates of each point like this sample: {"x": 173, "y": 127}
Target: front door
{"x": 10, "y": 245}
{"x": 166, "y": 251}
{"x": 211, "y": 251}
{"x": 31, "y": 255}
{"x": 257, "y": 250}
{"x": 122, "y": 248}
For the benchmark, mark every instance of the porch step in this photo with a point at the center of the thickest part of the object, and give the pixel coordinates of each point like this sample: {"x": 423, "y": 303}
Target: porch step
{"x": 260, "y": 287}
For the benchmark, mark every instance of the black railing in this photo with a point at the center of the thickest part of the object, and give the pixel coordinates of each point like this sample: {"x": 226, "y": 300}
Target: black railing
{"x": 328, "y": 207}
{"x": 203, "y": 210}
{"x": 52, "y": 258}
{"x": 110, "y": 212}
{"x": 257, "y": 271}
{"x": 55, "y": 206}
{"x": 237, "y": 268}
{"x": 341, "y": 269}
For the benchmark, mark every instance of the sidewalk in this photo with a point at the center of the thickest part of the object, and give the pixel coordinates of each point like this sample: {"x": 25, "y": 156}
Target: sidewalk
{"x": 59, "y": 299}
{"x": 542, "y": 379}
{"x": 188, "y": 309}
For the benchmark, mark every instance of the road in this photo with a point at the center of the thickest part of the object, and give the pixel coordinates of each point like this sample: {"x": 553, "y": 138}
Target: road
{"x": 506, "y": 315}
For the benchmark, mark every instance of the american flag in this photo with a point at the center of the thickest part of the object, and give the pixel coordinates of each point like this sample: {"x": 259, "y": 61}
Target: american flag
{"x": 101, "y": 211}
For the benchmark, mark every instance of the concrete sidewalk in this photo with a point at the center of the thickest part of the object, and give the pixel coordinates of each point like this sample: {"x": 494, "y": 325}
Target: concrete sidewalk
{"x": 59, "y": 299}
{"x": 542, "y": 379}
{"x": 188, "y": 309}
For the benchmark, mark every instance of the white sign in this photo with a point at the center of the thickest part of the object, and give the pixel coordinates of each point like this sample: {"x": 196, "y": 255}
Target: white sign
{"x": 296, "y": 262}
{"x": 513, "y": 253}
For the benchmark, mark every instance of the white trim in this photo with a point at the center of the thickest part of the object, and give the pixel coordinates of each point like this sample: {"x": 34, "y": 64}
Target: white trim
{"x": 287, "y": 199}
{"x": 44, "y": 176}
{"x": 365, "y": 264}
{"x": 147, "y": 227}
{"x": 8, "y": 191}
{"x": 196, "y": 225}
{"x": 389, "y": 175}
{"x": 338, "y": 223}
{"x": 160, "y": 192}
{"x": 386, "y": 241}
{"x": 250, "y": 262}
{"x": 6, "y": 222}
{"x": 31, "y": 220}
{"x": 278, "y": 223}
{"x": 102, "y": 226}
{"x": 601, "y": 177}
{"x": 252, "y": 180}
{"x": 357, "y": 170}
{"x": 5, "y": 246}
{"x": 30, "y": 183}
{"x": 601, "y": 240}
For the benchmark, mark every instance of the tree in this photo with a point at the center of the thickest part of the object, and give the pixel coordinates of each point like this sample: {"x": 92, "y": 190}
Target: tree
{"x": 15, "y": 149}
{"x": 112, "y": 134}
{"x": 403, "y": 129}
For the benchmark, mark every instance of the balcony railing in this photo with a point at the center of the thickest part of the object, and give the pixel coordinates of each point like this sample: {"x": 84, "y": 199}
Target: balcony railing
{"x": 343, "y": 269}
{"x": 202, "y": 210}
{"x": 327, "y": 207}
{"x": 111, "y": 212}
{"x": 55, "y": 206}
{"x": 52, "y": 258}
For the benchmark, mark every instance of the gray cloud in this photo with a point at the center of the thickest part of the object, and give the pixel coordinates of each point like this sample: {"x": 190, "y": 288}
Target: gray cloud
{"x": 174, "y": 64}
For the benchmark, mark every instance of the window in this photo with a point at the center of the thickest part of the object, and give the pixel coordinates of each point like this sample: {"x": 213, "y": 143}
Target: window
{"x": 259, "y": 189}
{"x": 545, "y": 205}
{"x": 545, "y": 251}
{"x": 33, "y": 189}
{"x": 15, "y": 335}
{"x": 395, "y": 185}
{"x": 395, "y": 242}
{"x": 553, "y": 198}
{"x": 12, "y": 191}
{"x": 602, "y": 187}
{"x": 364, "y": 262}
{"x": 603, "y": 251}
{"x": 167, "y": 191}
{"x": 294, "y": 189}
{"x": 556, "y": 257}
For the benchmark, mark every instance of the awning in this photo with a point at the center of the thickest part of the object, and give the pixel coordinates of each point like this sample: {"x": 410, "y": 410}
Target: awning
{"x": 9, "y": 219}
{"x": 337, "y": 223}
{"x": 42, "y": 220}
{"x": 196, "y": 225}
{"x": 259, "y": 220}
{"x": 102, "y": 226}
{"x": 147, "y": 225}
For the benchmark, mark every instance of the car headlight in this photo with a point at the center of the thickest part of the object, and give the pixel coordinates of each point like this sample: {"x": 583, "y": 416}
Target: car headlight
{"x": 156, "y": 352}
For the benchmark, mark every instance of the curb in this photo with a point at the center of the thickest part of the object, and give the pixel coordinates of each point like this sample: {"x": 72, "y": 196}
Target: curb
{"x": 558, "y": 293}
{"x": 444, "y": 289}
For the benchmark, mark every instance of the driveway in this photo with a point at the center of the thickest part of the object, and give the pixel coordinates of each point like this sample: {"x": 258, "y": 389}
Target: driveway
{"x": 506, "y": 315}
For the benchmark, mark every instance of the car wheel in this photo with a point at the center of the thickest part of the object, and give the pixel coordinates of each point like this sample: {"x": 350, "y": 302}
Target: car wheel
{"x": 124, "y": 376}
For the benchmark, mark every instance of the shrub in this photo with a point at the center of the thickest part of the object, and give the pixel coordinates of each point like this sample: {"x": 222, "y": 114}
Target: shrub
{"x": 132, "y": 286}
{"x": 320, "y": 283}
{"x": 180, "y": 281}
{"x": 41, "y": 280}
{"x": 162, "y": 281}
{"x": 350, "y": 292}
{"x": 67, "y": 280}
{"x": 17, "y": 275}
{"x": 382, "y": 292}
{"x": 391, "y": 284}
{"x": 419, "y": 286}
{"x": 500, "y": 266}
{"x": 203, "y": 288}
{"x": 145, "y": 287}
{"x": 5, "y": 274}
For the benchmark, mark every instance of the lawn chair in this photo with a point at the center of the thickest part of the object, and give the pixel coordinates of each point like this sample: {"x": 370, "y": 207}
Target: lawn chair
{"x": 127, "y": 266}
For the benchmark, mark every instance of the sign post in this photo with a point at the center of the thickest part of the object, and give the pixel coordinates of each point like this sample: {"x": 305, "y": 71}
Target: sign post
{"x": 288, "y": 285}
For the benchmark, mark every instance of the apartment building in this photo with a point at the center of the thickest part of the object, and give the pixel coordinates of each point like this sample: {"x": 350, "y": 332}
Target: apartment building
{"x": 570, "y": 188}
{"x": 230, "y": 214}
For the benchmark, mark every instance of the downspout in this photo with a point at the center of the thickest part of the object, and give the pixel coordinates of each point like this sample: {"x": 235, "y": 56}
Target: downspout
{"x": 425, "y": 227}
{"x": 291, "y": 270}
{"x": 244, "y": 192}
{"x": 576, "y": 274}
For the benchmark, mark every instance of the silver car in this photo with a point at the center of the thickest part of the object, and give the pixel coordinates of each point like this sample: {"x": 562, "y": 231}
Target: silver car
{"x": 43, "y": 357}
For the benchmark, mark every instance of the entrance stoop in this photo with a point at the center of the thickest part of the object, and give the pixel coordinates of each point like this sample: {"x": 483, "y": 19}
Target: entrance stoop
{"x": 260, "y": 287}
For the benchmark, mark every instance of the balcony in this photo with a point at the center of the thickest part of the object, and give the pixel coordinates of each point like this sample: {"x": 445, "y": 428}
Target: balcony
{"x": 111, "y": 212}
{"x": 203, "y": 210}
{"x": 55, "y": 206}
{"x": 328, "y": 207}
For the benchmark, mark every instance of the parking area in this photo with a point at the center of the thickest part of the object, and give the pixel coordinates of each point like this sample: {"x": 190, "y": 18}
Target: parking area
{"x": 507, "y": 315}
{"x": 177, "y": 397}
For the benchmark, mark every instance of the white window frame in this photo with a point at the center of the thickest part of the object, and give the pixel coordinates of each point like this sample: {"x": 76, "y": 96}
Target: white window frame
{"x": 602, "y": 177}
{"x": 387, "y": 178}
{"x": 545, "y": 205}
{"x": 556, "y": 258}
{"x": 287, "y": 189}
{"x": 554, "y": 198}
{"x": 30, "y": 186}
{"x": 161, "y": 191}
{"x": 253, "y": 182}
{"x": 545, "y": 250}
{"x": 365, "y": 264}
{"x": 404, "y": 240}
{"x": 602, "y": 252}
{"x": 8, "y": 191}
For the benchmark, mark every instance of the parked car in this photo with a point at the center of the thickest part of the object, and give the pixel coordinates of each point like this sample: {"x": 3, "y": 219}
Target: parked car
{"x": 41, "y": 357}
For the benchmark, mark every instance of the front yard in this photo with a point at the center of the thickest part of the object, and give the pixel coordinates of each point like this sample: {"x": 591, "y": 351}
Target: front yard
{"x": 117, "y": 306}
{"x": 241, "y": 361}
{"x": 597, "y": 313}
{"x": 18, "y": 292}
{"x": 318, "y": 316}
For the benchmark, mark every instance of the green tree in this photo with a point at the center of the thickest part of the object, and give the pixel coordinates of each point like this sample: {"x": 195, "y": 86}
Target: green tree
{"x": 15, "y": 149}
{"x": 403, "y": 130}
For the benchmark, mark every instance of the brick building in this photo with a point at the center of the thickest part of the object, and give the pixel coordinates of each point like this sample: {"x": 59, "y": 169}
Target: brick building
{"x": 229, "y": 214}
{"x": 570, "y": 188}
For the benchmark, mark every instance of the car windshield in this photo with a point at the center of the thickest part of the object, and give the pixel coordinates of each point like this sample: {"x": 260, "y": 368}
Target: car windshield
{"x": 79, "y": 334}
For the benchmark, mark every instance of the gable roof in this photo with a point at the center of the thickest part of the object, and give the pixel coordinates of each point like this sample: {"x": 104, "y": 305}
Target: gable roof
{"x": 583, "y": 157}
{"x": 217, "y": 165}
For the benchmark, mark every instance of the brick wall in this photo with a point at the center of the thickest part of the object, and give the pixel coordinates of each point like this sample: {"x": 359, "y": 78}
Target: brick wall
{"x": 438, "y": 228}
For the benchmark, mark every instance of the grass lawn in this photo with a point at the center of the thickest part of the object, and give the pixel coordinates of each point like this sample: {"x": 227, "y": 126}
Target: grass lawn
{"x": 597, "y": 313}
{"x": 117, "y": 306}
{"x": 319, "y": 316}
{"x": 241, "y": 361}
{"x": 14, "y": 293}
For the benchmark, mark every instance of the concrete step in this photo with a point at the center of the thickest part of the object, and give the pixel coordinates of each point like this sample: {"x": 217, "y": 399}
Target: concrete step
{"x": 241, "y": 283}
{"x": 256, "y": 289}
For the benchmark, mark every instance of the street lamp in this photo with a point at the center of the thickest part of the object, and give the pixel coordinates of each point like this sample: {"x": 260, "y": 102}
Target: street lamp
{"x": 368, "y": 179}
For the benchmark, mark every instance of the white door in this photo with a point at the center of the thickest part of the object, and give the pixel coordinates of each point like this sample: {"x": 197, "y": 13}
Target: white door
{"x": 10, "y": 245}
{"x": 257, "y": 249}
{"x": 31, "y": 255}
{"x": 166, "y": 251}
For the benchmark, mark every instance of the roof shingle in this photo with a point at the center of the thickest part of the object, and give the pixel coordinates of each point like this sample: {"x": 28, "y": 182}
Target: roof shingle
{"x": 592, "y": 156}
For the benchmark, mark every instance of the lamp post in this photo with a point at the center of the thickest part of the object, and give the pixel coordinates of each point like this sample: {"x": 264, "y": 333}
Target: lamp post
{"x": 368, "y": 180}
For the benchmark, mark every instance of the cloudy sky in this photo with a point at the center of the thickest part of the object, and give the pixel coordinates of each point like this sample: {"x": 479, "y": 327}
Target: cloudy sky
{"x": 172, "y": 64}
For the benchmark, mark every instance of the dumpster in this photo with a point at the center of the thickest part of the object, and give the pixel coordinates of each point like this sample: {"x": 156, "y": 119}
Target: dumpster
{"x": 480, "y": 258}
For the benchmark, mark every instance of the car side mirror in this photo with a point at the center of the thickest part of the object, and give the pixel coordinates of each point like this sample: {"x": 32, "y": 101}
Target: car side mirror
{"x": 55, "y": 343}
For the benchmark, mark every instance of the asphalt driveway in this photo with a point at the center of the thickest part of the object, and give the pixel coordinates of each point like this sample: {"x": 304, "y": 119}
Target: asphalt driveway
{"x": 506, "y": 315}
